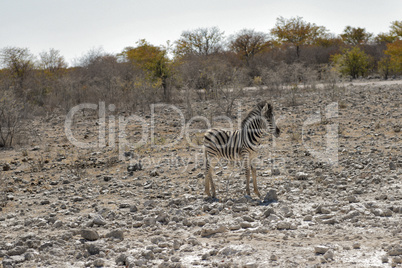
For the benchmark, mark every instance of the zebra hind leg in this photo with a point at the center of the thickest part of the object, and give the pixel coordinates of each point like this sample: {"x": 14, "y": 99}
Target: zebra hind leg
{"x": 208, "y": 179}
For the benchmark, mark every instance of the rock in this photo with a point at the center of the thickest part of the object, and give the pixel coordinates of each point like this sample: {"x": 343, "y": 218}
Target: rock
{"x": 245, "y": 225}
{"x": 239, "y": 207}
{"x": 212, "y": 229}
{"x": 275, "y": 172}
{"x": 133, "y": 208}
{"x": 77, "y": 198}
{"x": 356, "y": 245}
{"x": 352, "y": 199}
{"x": 308, "y": 218}
{"x": 124, "y": 205}
{"x": 57, "y": 224}
{"x": 92, "y": 249}
{"x": 323, "y": 210}
{"x": 99, "y": 263}
{"x": 329, "y": 255}
{"x": 301, "y": 176}
{"x": 117, "y": 234}
{"x": 19, "y": 250}
{"x": 273, "y": 257}
{"x": 107, "y": 178}
{"x": 252, "y": 264}
{"x": 321, "y": 249}
{"x": 45, "y": 202}
{"x": 90, "y": 235}
{"x": 134, "y": 167}
{"x": 98, "y": 219}
{"x": 271, "y": 196}
{"x": 283, "y": 225}
{"x": 6, "y": 167}
{"x": 176, "y": 244}
{"x": 268, "y": 212}
{"x": 154, "y": 173}
{"x": 392, "y": 166}
{"x": 395, "y": 250}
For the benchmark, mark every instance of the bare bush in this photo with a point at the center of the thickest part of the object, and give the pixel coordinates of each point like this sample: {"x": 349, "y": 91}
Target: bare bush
{"x": 10, "y": 118}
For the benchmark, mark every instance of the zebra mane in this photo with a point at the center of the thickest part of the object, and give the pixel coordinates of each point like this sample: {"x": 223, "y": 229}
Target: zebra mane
{"x": 255, "y": 112}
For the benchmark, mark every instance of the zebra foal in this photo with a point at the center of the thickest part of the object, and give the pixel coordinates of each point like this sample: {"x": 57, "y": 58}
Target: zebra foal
{"x": 240, "y": 144}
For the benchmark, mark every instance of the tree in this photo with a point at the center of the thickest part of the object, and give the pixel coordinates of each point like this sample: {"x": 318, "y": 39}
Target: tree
{"x": 394, "y": 34}
{"x": 153, "y": 60}
{"x": 396, "y": 29}
{"x": 248, "y": 43}
{"x": 19, "y": 62}
{"x": 394, "y": 51}
{"x": 52, "y": 61}
{"x": 201, "y": 41}
{"x": 353, "y": 62}
{"x": 355, "y": 36}
{"x": 297, "y": 32}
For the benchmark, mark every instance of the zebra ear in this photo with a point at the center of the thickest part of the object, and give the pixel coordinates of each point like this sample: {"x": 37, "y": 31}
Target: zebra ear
{"x": 265, "y": 109}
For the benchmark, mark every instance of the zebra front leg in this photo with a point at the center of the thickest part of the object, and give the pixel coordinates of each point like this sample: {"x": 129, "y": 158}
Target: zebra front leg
{"x": 254, "y": 174}
{"x": 207, "y": 178}
{"x": 208, "y": 181}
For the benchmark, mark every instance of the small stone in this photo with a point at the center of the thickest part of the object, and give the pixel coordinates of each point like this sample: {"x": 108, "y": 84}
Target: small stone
{"x": 17, "y": 251}
{"x": 356, "y": 245}
{"x": 124, "y": 205}
{"x": 98, "y": 219}
{"x": 321, "y": 249}
{"x": 351, "y": 199}
{"x": 134, "y": 167}
{"x": 205, "y": 256}
{"x": 90, "y": 235}
{"x": 78, "y": 198}
{"x": 6, "y": 167}
{"x": 251, "y": 265}
{"x": 392, "y": 166}
{"x": 329, "y": 255}
{"x": 92, "y": 248}
{"x": 269, "y": 212}
{"x": 44, "y": 202}
{"x": 107, "y": 178}
{"x": 210, "y": 230}
{"x": 283, "y": 225}
{"x": 301, "y": 176}
{"x": 154, "y": 173}
{"x": 246, "y": 225}
{"x": 308, "y": 218}
{"x": 273, "y": 257}
{"x": 99, "y": 263}
{"x": 117, "y": 234}
{"x": 275, "y": 172}
{"x": 57, "y": 224}
{"x": 384, "y": 259}
{"x": 271, "y": 196}
{"x": 133, "y": 208}
{"x": 176, "y": 244}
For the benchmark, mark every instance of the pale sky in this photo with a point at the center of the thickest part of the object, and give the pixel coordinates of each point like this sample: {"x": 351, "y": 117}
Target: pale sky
{"x": 76, "y": 26}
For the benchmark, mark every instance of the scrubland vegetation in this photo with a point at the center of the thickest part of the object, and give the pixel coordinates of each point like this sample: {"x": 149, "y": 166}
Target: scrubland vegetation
{"x": 203, "y": 63}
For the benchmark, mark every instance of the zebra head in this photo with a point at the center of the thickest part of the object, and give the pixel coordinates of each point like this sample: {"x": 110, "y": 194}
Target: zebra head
{"x": 267, "y": 112}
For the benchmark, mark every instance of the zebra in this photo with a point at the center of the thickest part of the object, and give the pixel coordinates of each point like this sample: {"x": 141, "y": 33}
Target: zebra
{"x": 240, "y": 144}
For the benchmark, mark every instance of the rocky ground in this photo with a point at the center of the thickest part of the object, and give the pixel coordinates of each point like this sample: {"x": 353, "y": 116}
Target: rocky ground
{"x": 132, "y": 204}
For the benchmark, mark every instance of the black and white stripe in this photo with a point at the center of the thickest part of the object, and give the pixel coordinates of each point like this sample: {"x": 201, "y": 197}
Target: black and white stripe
{"x": 240, "y": 144}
